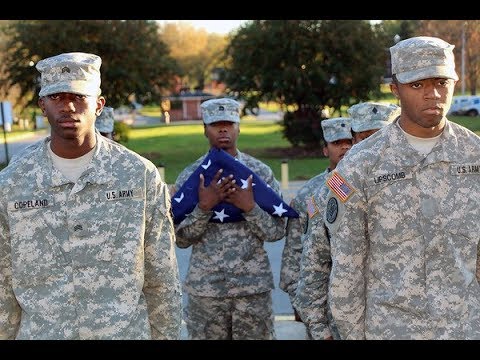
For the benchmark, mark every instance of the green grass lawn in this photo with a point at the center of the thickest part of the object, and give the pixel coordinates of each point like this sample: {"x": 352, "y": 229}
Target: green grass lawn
{"x": 15, "y": 135}
{"x": 176, "y": 146}
{"x": 472, "y": 123}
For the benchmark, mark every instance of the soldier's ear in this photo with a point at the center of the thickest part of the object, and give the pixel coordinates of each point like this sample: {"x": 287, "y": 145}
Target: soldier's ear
{"x": 41, "y": 105}
{"x": 394, "y": 90}
{"x": 325, "y": 151}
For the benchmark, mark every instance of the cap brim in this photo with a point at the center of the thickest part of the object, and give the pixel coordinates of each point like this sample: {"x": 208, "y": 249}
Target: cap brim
{"x": 80, "y": 87}
{"x": 214, "y": 120}
{"x": 341, "y": 137}
{"x": 427, "y": 73}
{"x": 371, "y": 125}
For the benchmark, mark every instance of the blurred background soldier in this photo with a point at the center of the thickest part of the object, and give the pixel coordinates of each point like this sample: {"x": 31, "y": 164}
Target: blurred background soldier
{"x": 311, "y": 295}
{"x": 338, "y": 140}
{"x": 369, "y": 117}
{"x": 105, "y": 123}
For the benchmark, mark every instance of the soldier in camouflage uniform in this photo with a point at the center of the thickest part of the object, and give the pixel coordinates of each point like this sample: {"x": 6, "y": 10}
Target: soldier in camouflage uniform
{"x": 229, "y": 280}
{"x": 369, "y": 117}
{"x": 105, "y": 123}
{"x": 402, "y": 213}
{"x": 315, "y": 264}
{"x": 86, "y": 236}
{"x": 338, "y": 140}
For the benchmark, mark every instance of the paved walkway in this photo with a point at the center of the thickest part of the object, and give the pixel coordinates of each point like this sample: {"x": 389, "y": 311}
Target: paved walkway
{"x": 16, "y": 144}
{"x": 286, "y": 328}
{"x": 290, "y": 192}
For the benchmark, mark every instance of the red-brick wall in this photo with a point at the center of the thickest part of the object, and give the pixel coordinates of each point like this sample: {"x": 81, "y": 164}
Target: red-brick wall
{"x": 176, "y": 114}
{"x": 192, "y": 109}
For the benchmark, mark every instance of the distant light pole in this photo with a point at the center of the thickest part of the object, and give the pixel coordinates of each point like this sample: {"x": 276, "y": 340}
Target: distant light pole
{"x": 396, "y": 39}
{"x": 463, "y": 57}
{"x": 2, "y": 113}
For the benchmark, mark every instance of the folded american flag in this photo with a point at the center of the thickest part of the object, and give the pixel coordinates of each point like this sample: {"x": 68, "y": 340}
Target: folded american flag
{"x": 186, "y": 198}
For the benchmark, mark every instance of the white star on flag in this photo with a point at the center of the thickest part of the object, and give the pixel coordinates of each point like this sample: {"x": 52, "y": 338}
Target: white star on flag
{"x": 186, "y": 197}
{"x": 180, "y": 198}
{"x": 279, "y": 210}
{"x": 220, "y": 215}
{"x": 245, "y": 183}
{"x": 207, "y": 165}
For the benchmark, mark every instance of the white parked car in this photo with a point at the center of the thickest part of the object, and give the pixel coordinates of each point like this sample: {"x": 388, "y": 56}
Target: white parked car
{"x": 124, "y": 114}
{"x": 465, "y": 105}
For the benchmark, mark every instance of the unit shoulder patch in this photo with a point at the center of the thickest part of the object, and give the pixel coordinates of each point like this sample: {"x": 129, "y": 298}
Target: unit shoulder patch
{"x": 331, "y": 210}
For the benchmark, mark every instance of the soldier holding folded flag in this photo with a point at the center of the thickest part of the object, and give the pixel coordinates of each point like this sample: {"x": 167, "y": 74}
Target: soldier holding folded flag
{"x": 229, "y": 280}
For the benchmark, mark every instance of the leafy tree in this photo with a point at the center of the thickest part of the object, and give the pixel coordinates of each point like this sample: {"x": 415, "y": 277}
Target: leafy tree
{"x": 134, "y": 59}
{"x": 12, "y": 94}
{"x": 305, "y": 65}
{"x": 121, "y": 132}
{"x": 453, "y": 31}
{"x": 392, "y": 31}
{"x": 403, "y": 28}
{"x": 196, "y": 51}
{"x": 355, "y": 56}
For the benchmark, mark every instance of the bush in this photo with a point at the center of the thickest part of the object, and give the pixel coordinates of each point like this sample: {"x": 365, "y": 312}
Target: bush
{"x": 303, "y": 127}
{"x": 121, "y": 132}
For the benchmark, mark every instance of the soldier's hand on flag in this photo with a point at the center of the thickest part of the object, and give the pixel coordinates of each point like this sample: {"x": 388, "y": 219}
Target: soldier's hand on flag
{"x": 242, "y": 196}
{"x": 215, "y": 192}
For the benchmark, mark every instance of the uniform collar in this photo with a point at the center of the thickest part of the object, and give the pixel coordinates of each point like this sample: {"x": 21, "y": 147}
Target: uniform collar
{"x": 98, "y": 171}
{"x": 446, "y": 149}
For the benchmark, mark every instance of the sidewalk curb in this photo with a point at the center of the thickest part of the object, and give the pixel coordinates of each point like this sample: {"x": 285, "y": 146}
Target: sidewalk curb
{"x": 286, "y": 328}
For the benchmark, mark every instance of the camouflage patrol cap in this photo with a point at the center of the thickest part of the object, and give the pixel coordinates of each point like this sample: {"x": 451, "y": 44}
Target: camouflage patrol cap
{"x": 75, "y": 72}
{"x": 336, "y": 129}
{"x": 223, "y": 109}
{"x": 422, "y": 57}
{"x": 372, "y": 115}
{"x": 105, "y": 121}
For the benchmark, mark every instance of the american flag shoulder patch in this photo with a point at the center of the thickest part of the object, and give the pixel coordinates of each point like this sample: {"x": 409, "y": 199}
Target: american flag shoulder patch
{"x": 312, "y": 208}
{"x": 340, "y": 187}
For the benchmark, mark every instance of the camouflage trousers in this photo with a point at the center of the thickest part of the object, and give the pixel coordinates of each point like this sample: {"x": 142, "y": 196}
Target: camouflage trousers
{"x": 230, "y": 318}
